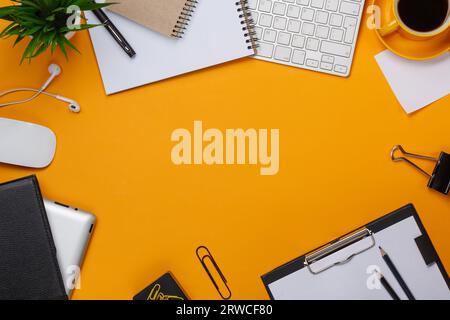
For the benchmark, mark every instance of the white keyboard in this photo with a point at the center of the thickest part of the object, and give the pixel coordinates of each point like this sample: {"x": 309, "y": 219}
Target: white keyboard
{"x": 318, "y": 35}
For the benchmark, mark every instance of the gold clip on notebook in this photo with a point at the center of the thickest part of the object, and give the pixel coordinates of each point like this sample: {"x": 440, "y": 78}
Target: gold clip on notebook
{"x": 168, "y": 17}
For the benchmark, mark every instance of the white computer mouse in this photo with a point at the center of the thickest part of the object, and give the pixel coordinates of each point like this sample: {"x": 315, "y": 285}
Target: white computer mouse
{"x": 26, "y": 144}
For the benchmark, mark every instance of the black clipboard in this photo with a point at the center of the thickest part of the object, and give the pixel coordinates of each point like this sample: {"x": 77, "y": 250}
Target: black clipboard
{"x": 423, "y": 243}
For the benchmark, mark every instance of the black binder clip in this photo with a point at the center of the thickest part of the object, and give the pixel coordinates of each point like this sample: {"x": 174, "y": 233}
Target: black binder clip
{"x": 440, "y": 179}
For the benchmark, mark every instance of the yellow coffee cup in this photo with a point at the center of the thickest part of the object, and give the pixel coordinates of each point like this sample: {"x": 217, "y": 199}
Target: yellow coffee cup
{"x": 418, "y": 24}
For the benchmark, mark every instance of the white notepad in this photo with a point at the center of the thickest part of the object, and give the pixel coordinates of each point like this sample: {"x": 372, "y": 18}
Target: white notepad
{"x": 416, "y": 84}
{"x": 215, "y": 35}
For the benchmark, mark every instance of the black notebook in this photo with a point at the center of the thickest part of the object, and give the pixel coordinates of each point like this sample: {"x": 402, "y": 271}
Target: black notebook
{"x": 28, "y": 265}
{"x": 165, "y": 288}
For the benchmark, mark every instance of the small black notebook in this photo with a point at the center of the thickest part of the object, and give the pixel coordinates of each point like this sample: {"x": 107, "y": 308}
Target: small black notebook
{"x": 28, "y": 265}
{"x": 165, "y": 288}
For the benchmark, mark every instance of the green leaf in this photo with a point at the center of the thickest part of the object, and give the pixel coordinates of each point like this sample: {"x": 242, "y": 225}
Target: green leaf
{"x": 30, "y": 3}
{"x": 18, "y": 39}
{"x": 7, "y": 29}
{"x": 51, "y": 18}
{"x": 45, "y": 21}
{"x": 62, "y": 45}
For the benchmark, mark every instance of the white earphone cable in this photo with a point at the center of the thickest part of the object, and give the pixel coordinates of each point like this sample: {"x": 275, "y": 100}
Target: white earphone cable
{"x": 37, "y": 94}
{"x": 29, "y": 89}
{"x": 54, "y": 70}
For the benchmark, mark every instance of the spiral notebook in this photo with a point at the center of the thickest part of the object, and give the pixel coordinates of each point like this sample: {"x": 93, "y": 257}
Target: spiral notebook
{"x": 219, "y": 31}
{"x": 168, "y": 17}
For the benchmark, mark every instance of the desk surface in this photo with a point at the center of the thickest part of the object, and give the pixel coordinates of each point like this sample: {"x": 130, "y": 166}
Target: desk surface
{"x": 335, "y": 173}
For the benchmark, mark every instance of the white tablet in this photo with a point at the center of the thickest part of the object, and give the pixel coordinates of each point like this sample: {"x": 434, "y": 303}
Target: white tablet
{"x": 71, "y": 230}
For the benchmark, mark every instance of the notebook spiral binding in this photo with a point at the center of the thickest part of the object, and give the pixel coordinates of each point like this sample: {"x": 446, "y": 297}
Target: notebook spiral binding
{"x": 248, "y": 24}
{"x": 184, "y": 18}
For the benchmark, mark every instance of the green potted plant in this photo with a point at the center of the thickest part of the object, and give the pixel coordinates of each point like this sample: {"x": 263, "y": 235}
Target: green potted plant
{"x": 48, "y": 23}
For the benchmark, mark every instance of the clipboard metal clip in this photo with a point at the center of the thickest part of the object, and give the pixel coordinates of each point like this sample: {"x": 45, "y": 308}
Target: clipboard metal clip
{"x": 336, "y": 246}
{"x": 439, "y": 180}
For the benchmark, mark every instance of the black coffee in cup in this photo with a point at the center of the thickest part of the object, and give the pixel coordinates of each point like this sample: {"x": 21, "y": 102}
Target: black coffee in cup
{"x": 423, "y": 15}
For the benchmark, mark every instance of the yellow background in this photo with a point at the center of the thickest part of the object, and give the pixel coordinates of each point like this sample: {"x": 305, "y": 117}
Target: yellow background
{"x": 113, "y": 159}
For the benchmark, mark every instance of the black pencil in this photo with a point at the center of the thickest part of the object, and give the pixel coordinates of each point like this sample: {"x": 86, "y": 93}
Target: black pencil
{"x": 396, "y": 274}
{"x": 388, "y": 287}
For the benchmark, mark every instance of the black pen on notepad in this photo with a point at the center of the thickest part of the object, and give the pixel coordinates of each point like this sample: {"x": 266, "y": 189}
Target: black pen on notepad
{"x": 396, "y": 274}
{"x": 120, "y": 39}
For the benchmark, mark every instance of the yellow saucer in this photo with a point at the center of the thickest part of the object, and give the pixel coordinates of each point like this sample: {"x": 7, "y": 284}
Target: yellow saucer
{"x": 408, "y": 48}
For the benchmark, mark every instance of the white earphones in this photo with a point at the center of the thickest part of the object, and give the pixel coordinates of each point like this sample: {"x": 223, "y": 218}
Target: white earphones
{"x": 54, "y": 71}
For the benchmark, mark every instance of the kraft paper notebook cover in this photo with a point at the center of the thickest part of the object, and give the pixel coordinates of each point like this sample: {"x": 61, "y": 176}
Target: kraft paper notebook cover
{"x": 29, "y": 267}
{"x": 168, "y": 17}
{"x": 219, "y": 31}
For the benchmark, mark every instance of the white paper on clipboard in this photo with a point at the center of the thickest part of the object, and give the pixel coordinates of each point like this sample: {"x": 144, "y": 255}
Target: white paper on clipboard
{"x": 353, "y": 279}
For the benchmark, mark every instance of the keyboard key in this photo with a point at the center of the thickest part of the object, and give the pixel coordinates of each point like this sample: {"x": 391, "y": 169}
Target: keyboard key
{"x": 252, "y": 4}
{"x": 299, "y": 57}
{"x": 328, "y": 59}
{"x": 283, "y": 53}
{"x": 298, "y": 41}
{"x": 336, "y": 20}
{"x": 265, "y": 50}
{"x": 294, "y": 26}
{"x": 284, "y": 38}
{"x": 322, "y": 17}
{"x": 279, "y": 8}
{"x": 350, "y": 8}
{"x": 307, "y": 14}
{"x": 312, "y": 44}
{"x": 312, "y": 63}
{"x": 265, "y": 5}
{"x": 317, "y": 4}
{"x": 322, "y": 32}
{"x": 326, "y": 66}
{"x": 279, "y": 23}
{"x": 270, "y": 35}
{"x": 312, "y": 34}
{"x": 258, "y": 32}
{"x": 340, "y": 69}
{"x": 293, "y": 11}
{"x": 332, "y": 5}
{"x": 336, "y": 49}
{"x": 337, "y": 34}
{"x": 308, "y": 29}
{"x": 255, "y": 15}
{"x": 265, "y": 20}
{"x": 350, "y": 29}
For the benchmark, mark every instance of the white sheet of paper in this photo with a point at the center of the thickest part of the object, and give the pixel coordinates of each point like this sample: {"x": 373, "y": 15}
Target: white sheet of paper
{"x": 416, "y": 84}
{"x": 213, "y": 36}
{"x": 350, "y": 281}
